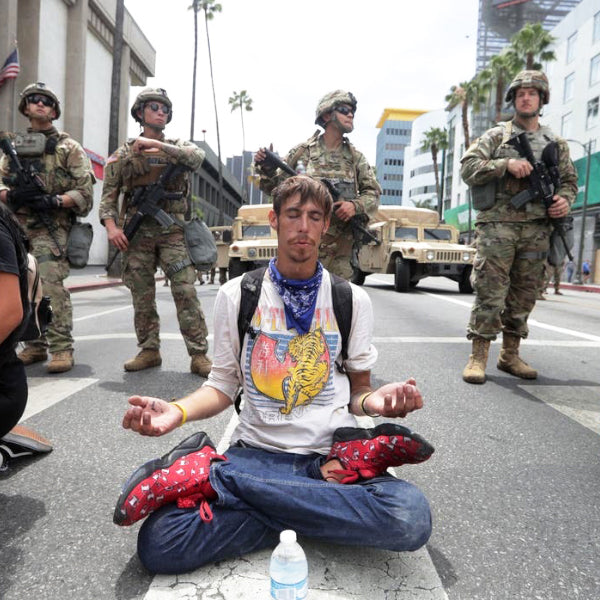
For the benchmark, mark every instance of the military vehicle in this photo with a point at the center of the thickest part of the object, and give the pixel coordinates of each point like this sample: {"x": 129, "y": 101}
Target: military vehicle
{"x": 253, "y": 242}
{"x": 413, "y": 245}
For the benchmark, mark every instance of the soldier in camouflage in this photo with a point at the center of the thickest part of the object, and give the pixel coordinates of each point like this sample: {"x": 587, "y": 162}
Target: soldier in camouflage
{"x": 66, "y": 173}
{"x": 140, "y": 162}
{"x": 512, "y": 243}
{"x": 331, "y": 155}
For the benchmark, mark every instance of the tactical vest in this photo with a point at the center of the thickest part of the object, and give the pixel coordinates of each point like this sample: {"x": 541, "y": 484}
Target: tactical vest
{"x": 145, "y": 168}
{"x": 508, "y": 185}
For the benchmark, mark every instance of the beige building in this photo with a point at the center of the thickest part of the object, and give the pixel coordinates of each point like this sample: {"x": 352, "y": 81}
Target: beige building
{"x": 68, "y": 44}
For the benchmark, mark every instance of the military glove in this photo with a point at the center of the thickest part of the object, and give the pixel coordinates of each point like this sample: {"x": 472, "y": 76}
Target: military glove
{"x": 20, "y": 196}
{"x": 44, "y": 203}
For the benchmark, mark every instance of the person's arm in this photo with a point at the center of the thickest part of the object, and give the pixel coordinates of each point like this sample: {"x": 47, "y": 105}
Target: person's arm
{"x": 154, "y": 417}
{"x": 11, "y": 307}
{"x": 478, "y": 166}
{"x": 183, "y": 152}
{"x": 80, "y": 196}
{"x": 392, "y": 400}
{"x": 369, "y": 189}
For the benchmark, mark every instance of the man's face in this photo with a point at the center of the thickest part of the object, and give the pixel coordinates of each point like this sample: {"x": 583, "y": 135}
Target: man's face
{"x": 342, "y": 117}
{"x": 299, "y": 229}
{"x": 527, "y": 102}
{"x": 156, "y": 114}
{"x": 41, "y": 107}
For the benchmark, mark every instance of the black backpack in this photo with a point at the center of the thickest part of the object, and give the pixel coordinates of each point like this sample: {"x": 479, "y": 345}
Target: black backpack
{"x": 251, "y": 285}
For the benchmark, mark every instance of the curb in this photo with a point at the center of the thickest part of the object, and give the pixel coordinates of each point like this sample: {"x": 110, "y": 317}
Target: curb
{"x": 579, "y": 287}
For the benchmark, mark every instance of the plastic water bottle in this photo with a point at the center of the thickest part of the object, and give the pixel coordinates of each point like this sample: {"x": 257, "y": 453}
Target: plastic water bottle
{"x": 288, "y": 570}
{"x": 300, "y": 168}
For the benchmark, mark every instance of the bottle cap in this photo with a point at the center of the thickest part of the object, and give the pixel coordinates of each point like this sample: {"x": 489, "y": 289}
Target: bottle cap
{"x": 288, "y": 536}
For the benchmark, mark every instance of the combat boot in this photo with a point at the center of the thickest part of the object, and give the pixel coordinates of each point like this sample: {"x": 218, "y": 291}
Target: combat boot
{"x": 146, "y": 358}
{"x": 509, "y": 360}
{"x": 33, "y": 354}
{"x": 200, "y": 365}
{"x": 61, "y": 362}
{"x": 474, "y": 372}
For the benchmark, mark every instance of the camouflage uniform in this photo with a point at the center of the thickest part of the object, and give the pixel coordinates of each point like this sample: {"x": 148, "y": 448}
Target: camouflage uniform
{"x": 511, "y": 243}
{"x": 64, "y": 168}
{"x": 154, "y": 245}
{"x": 349, "y": 169}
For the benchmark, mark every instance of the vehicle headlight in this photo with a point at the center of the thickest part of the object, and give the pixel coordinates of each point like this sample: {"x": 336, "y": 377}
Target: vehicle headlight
{"x": 430, "y": 255}
{"x": 251, "y": 252}
{"x": 466, "y": 256}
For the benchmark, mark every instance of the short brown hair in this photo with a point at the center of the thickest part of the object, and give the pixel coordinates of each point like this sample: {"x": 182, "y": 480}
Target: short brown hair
{"x": 308, "y": 188}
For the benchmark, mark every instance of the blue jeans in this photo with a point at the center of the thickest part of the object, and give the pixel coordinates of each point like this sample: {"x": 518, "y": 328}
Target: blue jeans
{"x": 261, "y": 493}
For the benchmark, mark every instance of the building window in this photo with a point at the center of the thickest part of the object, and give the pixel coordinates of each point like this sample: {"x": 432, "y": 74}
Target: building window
{"x": 592, "y": 113}
{"x": 595, "y": 69}
{"x": 571, "y": 47}
{"x": 596, "y": 27}
{"x": 569, "y": 86}
{"x": 566, "y": 125}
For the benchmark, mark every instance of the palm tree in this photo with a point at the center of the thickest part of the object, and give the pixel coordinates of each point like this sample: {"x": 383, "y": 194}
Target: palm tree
{"x": 532, "y": 42}
{"x": 210, "y": 8}
{"x": 435, "y": 139}
{"x": 465, "y": 94}
{"x": 500, "y": 71}
{"x": 429, "y": 204}
{"x": 195, "y": 7}
{"x": 243, "y": 102}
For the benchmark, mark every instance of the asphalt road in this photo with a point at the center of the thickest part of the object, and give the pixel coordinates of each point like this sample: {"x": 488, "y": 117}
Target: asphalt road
{"x": 514, "y": 482}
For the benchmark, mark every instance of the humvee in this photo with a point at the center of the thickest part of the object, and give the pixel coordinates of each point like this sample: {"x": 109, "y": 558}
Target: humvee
{"x": 254, "y": 242}
{"x": 412, "y": 245}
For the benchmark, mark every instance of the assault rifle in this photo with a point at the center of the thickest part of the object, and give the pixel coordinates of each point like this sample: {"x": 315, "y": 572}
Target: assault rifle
{"x": 28, "y": 182}
{"x": 357, "y": 222}
{"x": 544, "y": 179}
{"x": 146, "y": 199}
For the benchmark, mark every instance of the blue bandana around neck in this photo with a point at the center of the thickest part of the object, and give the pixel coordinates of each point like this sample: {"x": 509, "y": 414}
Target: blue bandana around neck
{"x": 299, "y": 297}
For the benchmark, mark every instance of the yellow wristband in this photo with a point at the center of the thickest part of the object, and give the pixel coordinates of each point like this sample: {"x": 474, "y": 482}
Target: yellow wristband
{"x": 183, "y": 412}
{"x": 362, "y": 405}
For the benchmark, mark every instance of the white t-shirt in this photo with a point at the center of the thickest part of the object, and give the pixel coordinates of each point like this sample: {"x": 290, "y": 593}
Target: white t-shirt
{"x": 294, "y": 396}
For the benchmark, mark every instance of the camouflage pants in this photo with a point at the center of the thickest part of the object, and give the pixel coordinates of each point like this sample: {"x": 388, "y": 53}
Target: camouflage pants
{"x": 335, "y": 254}
{"x": 53, "y": 272}
{"x": 508, "y": 269}
{"x": 153, "y": 246}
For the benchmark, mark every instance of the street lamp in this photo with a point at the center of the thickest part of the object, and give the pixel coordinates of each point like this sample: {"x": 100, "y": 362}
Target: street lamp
{"x": 587, "y": 148}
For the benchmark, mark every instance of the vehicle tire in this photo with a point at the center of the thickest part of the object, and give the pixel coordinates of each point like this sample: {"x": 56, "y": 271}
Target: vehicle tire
{"x": 464, "y": 285}
{"x": 236, "y": 268}
{"x": 358, "y": 276}
{"x": 402, "y": 275}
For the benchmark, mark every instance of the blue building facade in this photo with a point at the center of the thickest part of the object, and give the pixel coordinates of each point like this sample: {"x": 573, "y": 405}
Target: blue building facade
{"x": 395, "y": 127}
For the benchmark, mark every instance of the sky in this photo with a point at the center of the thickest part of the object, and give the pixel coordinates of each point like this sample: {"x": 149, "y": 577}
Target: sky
{"x": 288, "y": 54}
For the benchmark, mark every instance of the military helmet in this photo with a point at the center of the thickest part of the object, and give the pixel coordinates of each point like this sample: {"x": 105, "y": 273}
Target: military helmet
{"x": 147, "y": 95}
{"x": 534, "y": 79}
{"x": 329, "y": 101}
{"x": 38, "y": 88}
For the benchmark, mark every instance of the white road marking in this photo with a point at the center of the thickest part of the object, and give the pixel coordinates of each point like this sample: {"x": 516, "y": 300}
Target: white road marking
{"x": 45, "y": 392}
{"x": 580, "y": 403}
{"x": 106, "y": 312}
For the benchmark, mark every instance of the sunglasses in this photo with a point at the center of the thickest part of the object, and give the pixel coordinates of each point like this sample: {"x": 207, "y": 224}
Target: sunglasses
{"x": 155, "y": 107}
{"x": 344, "y": 110}
{"x": 35, "y": 98}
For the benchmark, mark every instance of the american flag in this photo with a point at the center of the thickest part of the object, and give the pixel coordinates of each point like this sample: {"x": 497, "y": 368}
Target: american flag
{"x": 10, "y": 68}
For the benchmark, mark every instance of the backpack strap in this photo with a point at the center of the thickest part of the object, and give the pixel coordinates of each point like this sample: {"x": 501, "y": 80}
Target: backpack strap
{"x": 341, "y": 296}
{"x": 250, "y": 287}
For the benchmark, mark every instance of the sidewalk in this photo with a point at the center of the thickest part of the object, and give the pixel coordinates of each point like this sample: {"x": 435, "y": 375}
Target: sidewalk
{"x": 94, "y": 277}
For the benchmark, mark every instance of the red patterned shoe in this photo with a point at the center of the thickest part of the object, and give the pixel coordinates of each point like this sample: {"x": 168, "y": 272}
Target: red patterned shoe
{"x": 179, "y": 476}
{"x": 366, "y": 453}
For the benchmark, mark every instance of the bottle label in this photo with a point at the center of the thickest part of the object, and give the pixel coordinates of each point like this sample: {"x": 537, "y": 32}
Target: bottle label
{"x": 289, "y": 591}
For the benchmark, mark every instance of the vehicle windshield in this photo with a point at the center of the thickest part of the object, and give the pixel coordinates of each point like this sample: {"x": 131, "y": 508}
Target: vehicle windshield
{"x": 438, "y": 234}
{"x": 407, "y": 233}
{"x": 256, "y": 231}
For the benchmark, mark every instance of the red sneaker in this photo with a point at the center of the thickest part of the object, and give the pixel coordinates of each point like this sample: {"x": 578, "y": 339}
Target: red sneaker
{"x": 179, "y": 476}
{"x": 367, "y": 453}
